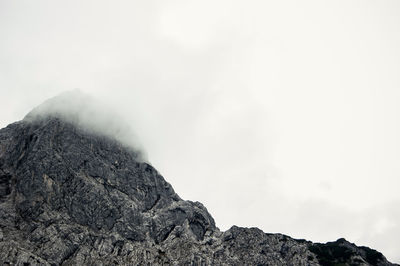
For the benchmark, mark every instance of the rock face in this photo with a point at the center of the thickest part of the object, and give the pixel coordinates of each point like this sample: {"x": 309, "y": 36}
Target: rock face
{"x": 73, "y": 197}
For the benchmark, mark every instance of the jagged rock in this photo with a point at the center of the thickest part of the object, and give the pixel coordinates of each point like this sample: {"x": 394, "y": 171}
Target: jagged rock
{"x": 69, "y": 196}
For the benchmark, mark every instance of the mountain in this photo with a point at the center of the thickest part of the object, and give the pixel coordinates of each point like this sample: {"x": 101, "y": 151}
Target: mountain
{"x": 70, "y": 195}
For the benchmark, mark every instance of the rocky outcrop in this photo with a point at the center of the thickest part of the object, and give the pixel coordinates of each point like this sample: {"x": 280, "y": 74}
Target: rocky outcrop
{"x": 69, "y": 196}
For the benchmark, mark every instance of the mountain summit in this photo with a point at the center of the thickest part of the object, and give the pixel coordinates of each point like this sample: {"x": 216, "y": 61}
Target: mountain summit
{"x": 70, "y": 195}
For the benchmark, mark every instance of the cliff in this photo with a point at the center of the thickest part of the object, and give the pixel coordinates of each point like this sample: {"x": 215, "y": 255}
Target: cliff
{"x": 72, "y": 196}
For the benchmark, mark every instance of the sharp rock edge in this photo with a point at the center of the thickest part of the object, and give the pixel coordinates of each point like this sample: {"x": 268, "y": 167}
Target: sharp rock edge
{"x": 71, "y": 196}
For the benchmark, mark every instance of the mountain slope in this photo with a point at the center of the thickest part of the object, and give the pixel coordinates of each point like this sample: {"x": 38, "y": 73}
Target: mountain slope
{"x": 72, "y": 196}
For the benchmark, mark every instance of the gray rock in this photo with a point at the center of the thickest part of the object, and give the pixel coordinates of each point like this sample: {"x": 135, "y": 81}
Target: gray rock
{"x": 73, "y": 197}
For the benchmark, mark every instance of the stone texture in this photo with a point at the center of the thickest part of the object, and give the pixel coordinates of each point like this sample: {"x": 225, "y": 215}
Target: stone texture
{"x": 73, "y": 197}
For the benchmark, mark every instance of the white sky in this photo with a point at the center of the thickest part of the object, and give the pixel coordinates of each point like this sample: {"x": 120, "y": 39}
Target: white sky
{"x": 278, "y": 114}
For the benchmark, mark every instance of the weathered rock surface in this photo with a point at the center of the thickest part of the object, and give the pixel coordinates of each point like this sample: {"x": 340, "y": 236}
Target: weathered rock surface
{"x": 71, "y": 197}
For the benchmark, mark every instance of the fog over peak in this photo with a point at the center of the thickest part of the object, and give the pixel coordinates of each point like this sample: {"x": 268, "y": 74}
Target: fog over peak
{"x": 89, "y": 113}
{"x": 283, "y": 115}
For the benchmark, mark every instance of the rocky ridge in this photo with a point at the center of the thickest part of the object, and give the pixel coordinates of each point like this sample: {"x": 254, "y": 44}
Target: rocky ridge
{"x": 69, "y": 196}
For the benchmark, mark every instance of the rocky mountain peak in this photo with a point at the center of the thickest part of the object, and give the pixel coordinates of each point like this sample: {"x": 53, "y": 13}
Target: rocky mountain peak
{"x": 72, "y": 194}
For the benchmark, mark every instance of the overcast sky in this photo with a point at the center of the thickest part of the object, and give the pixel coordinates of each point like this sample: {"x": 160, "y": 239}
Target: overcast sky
{"x": 283, "y": 115}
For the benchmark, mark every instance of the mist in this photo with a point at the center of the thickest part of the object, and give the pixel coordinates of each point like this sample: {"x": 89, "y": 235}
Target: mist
{"x": 281, "y": 115}
{"x": 91, "y": 115}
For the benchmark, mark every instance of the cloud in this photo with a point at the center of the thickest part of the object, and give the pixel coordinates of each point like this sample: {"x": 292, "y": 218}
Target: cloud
{"x": 266, "y": 105}
{"x": 90, "y": 114}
